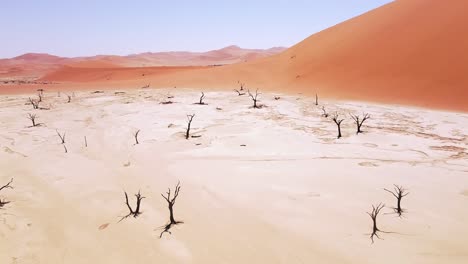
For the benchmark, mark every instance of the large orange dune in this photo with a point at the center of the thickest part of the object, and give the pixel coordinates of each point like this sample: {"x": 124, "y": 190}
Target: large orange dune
{"x": 410, "y": 52}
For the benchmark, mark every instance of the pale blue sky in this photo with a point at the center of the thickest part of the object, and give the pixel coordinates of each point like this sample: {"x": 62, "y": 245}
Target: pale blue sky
{"x": 90, "y": 27}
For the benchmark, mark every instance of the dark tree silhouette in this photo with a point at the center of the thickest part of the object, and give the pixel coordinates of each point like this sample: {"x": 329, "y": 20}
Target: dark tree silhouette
{"x": 171, "y": 201}
{"x": 359, "y": 121}
{"x": 135, "y": 213}
{"x": 69, "y": 98}
{"x": 32, "y": 117}
{"x": 40, "y": 97}
{"x": 62, "y": 137}
{"x": 34, "y": 103}
{"x": 325, "y": 114}
{"x": 239, "y": 93}
{"x": 316, "y": 99}
{"x": 41, "y": 91}
{"x": 85, "y": 142}
{"x": 254, "y": 98}
{"x": 375, "y": 212}
{"x": 200, "y": 102}
{"x": 242, "y": 86}
{"x": 189, "y": 123}
{"x": 136, "y": 136}
{"x": 399, "y": 192}
{"x": 338, "y": 123}
{"x": 6, "y": 186}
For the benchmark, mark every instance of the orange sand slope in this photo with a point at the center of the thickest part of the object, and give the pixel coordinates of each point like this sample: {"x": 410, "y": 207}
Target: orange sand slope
{"x": 408, "y": 52}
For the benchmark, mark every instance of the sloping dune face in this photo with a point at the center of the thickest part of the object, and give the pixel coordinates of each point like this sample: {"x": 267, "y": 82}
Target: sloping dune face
{"x": 407, "y": 52}
{"x": 411, "y": 52}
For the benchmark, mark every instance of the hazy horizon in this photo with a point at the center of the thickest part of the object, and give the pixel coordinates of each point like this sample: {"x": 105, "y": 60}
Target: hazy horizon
{"x": 88, "y": 28}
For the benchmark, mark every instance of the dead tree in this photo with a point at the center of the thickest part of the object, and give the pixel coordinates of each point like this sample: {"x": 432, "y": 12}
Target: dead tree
{"x": 171, "y": 201}
{"x": 136, "y": 136}
{"x": 40, "y": 97}
{"x": 200, "y": 102}
{"x": 338, "y": 123}
{"x": 6, "y": 186}
{"x": 62, "y": 137}
{"x": 254, "y": 98}
{"x": 316, "y": 99}
{"x": 65, "y": 148}
{"x": 34, "y": 103}
{"x": 69, "y": 98}
{"x": 325, "y": 114}
{"x": 359, "y": 121}
{"x": 242, "y": 86}
{"x": 375, "y": 212}
{"x": 135, "y": 213}
{"x": 189, "y": 123}
{"x": 239, "y": 93}
{"x": 85, "y": 142}
{"x": 41, "y": 92}
{"x": 399, "y": 192}
{"x": 32, "y": 117}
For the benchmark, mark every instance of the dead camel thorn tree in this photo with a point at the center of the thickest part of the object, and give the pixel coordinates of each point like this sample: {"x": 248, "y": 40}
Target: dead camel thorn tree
{"x": 254, "y": 98}
{"x": 135, "y": 213}
{"x": 338, "y": 123}
{"x": 69, "y": 98}
{"x": 399, "y": 192}
{"x": 200, "y": 102}
{"x": 171, "y": 201}
{"x": 34, "y": 103}
{"x": 6, "y": 186}
{"x": 62, "y": 137}
{"x": 32, "y": 117}
{"x": 239, "y": 93}
{"x": 325, "y": 114}
{"x": 359, "y": 121}
{"x": 136, "y": 136}
{"x": 189, "y": 123}
{"x": 316, "y": 99}
{"x": 375, "y": 212}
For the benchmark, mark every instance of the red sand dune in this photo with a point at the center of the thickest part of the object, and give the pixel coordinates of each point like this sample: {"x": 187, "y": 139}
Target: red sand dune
{"x": 410, "y": 52}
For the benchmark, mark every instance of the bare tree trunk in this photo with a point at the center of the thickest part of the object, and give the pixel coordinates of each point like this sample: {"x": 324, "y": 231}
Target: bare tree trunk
{"x": 135, "y": 213}
{"x": 359, "y": 121}
{"x": 85, "y": 142}
{"x": 399, "y": 192}
{"x": 136, "y": 136}
{"x": 62, "y": 137}
{"x": 32, "y": 117}
{"x": 189, "y": 123}
{"x": 6, "y": 186}
{"x": 254, "y": 98}
{"x": 239, "y": 93}
{"x": 375, "y": 212}
{"x": 34, "y": 103}
{"x": 325, "y": 114}
{"x": 338, "y": 123}
{"x": 316, "y": 99}
{"x": 200, "y": 102}
{"x": 171, "y": 201}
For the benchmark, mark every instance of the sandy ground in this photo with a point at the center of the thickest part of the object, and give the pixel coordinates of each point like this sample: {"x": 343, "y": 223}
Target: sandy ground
{"x": 293, "y": 194}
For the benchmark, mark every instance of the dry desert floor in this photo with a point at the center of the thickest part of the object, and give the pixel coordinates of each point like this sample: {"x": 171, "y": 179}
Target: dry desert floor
{"x": 269, "y": 185}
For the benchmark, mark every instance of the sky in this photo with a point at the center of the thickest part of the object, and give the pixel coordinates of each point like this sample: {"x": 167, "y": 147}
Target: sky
{"x": 73, "y": 28}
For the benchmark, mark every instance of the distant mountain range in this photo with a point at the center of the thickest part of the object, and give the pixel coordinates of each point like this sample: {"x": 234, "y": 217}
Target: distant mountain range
{"x": 35, "y": 65}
